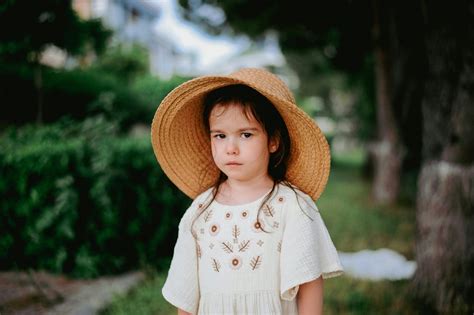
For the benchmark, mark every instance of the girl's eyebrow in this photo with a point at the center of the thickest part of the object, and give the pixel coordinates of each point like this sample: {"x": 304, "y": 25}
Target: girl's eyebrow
{"x": 239, "y": 130}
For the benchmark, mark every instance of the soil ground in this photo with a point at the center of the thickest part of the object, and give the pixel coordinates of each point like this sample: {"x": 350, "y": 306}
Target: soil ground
{"x": 41, "y": 293}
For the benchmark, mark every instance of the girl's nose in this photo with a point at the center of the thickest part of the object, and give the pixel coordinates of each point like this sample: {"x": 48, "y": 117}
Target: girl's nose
{"x": 232, "y": 147}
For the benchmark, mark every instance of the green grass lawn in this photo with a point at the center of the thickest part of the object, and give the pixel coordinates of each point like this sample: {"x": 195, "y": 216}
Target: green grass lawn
{"x": 354, "y": 223}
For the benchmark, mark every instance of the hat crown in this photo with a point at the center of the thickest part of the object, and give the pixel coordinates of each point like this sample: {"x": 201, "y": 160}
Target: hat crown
{"x": 265, "y": 80}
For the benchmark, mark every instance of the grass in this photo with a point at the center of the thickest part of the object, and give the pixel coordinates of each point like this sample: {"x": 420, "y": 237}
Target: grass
{"x": 143, "y": 300}
{"x": 354, "y": 222}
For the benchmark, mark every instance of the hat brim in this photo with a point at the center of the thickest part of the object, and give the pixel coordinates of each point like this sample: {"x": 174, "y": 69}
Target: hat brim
{"x": 182, "y": 145}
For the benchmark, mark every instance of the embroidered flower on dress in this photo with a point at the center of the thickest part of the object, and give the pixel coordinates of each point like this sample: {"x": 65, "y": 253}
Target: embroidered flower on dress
{"x": 214, "y": 229}
{"x": 235, "y": 262}
{"x": 257, "y": 226}
{"x": 228, "y": 215}
{"x": 281, "y": 199}
{"x": 244, "y": 214}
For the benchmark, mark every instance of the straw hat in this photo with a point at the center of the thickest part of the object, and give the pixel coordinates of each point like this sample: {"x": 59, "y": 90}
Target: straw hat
{"x": 182, "y": 145}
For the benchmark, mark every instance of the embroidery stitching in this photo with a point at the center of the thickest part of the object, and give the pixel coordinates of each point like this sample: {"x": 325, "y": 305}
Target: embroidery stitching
{"x": 256, "y": 261}
{"x": 198, "y": 250}
{"x": 228, "y": 248}
{"x": 236, "y": 262}
{"x": 208, "y": 215}
{"x": 268, "y": 210}
{"x": 215, "y": 264}
{"x": 244, "y": 245}
{"x": 235, "y": 231}
{"x": 214, "y": 229}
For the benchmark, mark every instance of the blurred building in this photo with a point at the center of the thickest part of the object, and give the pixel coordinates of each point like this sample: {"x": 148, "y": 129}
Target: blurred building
{"x": 133, "y": 22}
{"x": 139, "y": 21}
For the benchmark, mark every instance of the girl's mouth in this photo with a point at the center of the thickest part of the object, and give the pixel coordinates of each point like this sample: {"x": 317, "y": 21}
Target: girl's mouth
{"x": 233, "y": 164}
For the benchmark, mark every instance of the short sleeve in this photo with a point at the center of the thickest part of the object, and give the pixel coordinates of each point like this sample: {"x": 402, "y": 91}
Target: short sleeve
{"x": 181, "y": 287}
{"x": 307, "y": 251}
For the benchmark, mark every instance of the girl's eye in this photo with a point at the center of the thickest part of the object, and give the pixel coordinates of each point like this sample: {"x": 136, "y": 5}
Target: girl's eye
{"x": 219, "y": 136}
{"x": 246, "y": 134}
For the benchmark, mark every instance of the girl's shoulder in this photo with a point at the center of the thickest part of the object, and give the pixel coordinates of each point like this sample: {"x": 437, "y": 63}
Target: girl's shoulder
{"x": 292, "y": 193}
{"x": 196, "y": 206}
{"x": 202, "y": 198}
{"x": 294, "y": 200}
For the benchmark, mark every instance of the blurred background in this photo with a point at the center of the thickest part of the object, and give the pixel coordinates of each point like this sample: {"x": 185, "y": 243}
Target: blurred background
{"x": 89, "y": 221}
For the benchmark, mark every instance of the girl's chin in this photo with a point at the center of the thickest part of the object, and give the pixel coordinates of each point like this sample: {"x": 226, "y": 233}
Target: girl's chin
{"x": 235, "y": 176}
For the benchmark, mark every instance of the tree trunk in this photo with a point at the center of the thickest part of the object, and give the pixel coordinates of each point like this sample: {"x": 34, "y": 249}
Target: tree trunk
{"x": 444, "y": 251}
{"x": 387, "y": 152}
{"x": 445, "y": 201}
{"x": 38, "y": 80}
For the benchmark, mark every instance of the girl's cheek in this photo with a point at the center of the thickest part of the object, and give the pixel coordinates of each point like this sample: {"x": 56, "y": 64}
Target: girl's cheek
{"x": 216, "y": 147}
{"x": 213, "y": 148}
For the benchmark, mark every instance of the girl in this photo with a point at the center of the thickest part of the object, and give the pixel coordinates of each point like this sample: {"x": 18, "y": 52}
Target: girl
{"x": 252, "y": 241}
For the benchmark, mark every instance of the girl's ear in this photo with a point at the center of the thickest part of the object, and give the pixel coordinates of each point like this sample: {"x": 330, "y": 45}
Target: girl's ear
{"x": 273, "y": 145}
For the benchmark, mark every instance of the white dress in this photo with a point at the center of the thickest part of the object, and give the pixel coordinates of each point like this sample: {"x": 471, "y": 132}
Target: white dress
{"x": 236, "y": 268}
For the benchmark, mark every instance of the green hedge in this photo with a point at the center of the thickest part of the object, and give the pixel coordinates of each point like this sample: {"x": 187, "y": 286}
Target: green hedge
{"x": 80, "y": 200}
{"x": 77, "y": 94}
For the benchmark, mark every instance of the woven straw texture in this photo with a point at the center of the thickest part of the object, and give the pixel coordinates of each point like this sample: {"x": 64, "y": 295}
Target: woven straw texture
{"x": 182, "y": 145}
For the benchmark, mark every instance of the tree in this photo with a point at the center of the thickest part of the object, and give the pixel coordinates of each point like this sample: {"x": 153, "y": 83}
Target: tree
{"x": 445, "y": 204}
{"x": 28, "y": 27}
{"x": 342, "y": 34}
{"x": 424, "y": 73}
{"x": 126, "y": 62}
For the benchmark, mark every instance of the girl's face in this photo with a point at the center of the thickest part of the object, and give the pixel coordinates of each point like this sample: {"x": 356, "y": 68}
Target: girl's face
{"x": 239, "y": 144}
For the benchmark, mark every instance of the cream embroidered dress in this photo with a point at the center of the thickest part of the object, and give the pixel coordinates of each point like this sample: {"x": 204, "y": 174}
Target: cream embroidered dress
{"x": 236, "y": 268}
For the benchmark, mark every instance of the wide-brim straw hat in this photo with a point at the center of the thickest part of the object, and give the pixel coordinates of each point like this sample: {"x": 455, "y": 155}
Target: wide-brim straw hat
{"x": 182, "y": 145}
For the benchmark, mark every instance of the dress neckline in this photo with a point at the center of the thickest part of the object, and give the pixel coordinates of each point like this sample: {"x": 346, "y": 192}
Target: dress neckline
{"x": 247, "y": 204}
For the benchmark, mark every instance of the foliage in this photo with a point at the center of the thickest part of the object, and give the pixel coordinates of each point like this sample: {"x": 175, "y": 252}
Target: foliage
{"x": 146, "y": 299}
{"x": 364, "y": 111}
{"x": 27, "y": 27}
{"x": 344, "y": 202}
{"x": 78, "y": 199}
{"x": 340, "y": 28}
{"x": 124, "y": 62}
{"x": 79, "y": 93}
{"x": 327, "y": 44}
{"x": 152, "y": 90}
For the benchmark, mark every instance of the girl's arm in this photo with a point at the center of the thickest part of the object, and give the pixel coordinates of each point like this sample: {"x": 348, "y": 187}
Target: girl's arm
{"x": 310, "y": 298}
{"x": 181, "y": 312}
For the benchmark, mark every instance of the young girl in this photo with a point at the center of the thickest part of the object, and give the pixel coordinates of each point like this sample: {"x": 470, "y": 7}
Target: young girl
{"x": 252, "y": 241}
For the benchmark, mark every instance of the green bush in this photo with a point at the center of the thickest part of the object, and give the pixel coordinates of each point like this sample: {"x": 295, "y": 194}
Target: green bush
{"x": 152, "y": 90}
{"x": 124, "y": 62}
{"x": 77, "y": 94}
{"x": 78, "y": 199}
